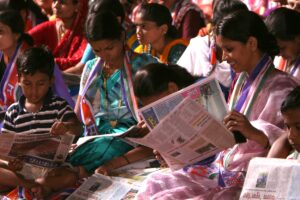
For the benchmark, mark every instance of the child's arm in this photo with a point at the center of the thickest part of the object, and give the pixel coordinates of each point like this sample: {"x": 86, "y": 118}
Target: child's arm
{"x": 72, "y": 126}
{"x": 11, "y": 179}
{"x": 15, "y": 165}
{"x": 134, "y": 155}
{"x": 280, "y": 148}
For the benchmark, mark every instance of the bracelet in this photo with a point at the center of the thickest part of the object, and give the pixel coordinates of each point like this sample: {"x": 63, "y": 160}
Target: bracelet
{"x": 128, "y": 162}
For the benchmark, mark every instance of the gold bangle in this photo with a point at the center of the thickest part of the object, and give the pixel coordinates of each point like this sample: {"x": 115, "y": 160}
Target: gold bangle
{"x": 128, "y": 162}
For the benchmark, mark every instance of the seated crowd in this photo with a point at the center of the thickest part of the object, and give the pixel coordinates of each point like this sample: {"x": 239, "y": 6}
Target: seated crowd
{"x": 123, "y": 55}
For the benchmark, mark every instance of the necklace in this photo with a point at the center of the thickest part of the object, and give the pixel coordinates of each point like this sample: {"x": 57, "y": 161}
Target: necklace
{"x": 107, "y": 72}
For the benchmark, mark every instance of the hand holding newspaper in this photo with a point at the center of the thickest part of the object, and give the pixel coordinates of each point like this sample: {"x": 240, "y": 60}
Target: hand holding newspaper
{"x": 40, "y": 152}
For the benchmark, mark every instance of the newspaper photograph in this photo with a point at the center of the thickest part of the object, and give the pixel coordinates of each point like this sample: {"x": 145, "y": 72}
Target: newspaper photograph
{"x": 99, "y": 187}
{"x": 273, "y": 179}
{"x": 40, "y": 150}
{"x": 206, "y": 92}
{"x": 187, "y": 135}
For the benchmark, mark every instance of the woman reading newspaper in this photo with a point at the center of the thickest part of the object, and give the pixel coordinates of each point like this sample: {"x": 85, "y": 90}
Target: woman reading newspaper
{"x": 255, "y": 100}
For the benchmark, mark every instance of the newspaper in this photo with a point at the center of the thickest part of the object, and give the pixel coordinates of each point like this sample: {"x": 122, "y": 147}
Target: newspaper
{"x": 124, "y": 185}
{"x": 188, "y": 134}
{"x": 271, "y": 178}
{"x": 40, "y": 152}
{"x": 131, "y": 132}
{"x": 206, "y": 92}
{"x": 101, "y": 187}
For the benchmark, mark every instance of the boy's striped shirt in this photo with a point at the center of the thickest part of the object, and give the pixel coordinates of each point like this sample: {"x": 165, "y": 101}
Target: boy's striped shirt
{"x": 18, "y": 120}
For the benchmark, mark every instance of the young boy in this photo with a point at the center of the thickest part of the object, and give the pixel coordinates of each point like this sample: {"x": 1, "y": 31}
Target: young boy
{"x": 38, "y": 110}
{"x": 290, "y": 110}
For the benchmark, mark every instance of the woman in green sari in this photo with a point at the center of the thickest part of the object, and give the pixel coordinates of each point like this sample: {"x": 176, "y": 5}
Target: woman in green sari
{"x": 106, "y": 102}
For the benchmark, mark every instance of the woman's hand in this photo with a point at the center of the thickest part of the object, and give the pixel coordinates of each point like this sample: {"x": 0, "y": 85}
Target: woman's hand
{"x": 235, "y": 121}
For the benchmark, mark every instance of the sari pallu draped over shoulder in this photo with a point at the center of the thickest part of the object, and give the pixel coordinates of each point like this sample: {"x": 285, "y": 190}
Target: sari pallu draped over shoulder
{"x": 116, "y": 96}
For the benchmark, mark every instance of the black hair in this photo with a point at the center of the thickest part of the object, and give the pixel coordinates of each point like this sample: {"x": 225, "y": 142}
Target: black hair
{"x": 108, "y": 5}
{"x": 103, "y": 25}
{"x": 160, "y": 15}
{"x": 19, "y": 5}
{"x": 153, "y": 79}
{"x": 292, "y": 101}
{"x": 14, "y": 20}
{"x": 284, "y": 23}
{"x": 35, "y": 59}
{"x": 221, "y": 8}
{"x": 241, "y": 25}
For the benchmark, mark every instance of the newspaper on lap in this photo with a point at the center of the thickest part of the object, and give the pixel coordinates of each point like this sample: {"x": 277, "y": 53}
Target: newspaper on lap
{"x": 40, "y": 152}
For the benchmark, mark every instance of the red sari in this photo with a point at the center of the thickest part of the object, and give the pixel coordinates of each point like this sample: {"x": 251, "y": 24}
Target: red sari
{"x": 69, "y": 50}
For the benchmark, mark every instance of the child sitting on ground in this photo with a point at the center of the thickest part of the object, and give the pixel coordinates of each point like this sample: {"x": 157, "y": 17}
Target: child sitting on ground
{"x": 290, "y": 110}
{"x": 38, "y": 110}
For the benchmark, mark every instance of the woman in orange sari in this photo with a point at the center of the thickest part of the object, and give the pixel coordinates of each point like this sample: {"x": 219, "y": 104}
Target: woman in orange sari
{"x": 64, "y": 36}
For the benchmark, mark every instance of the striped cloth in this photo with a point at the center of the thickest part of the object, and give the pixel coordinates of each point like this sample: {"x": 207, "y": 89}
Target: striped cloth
{"x": 18, "y": 120}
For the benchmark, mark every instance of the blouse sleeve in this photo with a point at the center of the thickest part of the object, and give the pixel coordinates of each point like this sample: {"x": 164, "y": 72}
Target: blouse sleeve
{"x": 44, "y": 34}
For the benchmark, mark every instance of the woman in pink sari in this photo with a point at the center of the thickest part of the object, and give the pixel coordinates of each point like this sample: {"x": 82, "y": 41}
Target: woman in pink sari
{"x": 255, "y": 101}
{"x": 65, "y": 35}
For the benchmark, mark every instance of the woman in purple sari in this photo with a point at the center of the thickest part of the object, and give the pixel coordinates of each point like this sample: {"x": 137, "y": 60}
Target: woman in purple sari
{"x": 255, "y": 99}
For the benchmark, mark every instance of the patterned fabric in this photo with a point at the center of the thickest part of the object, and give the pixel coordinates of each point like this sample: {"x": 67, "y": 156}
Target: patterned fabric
{"x": 171, "y": 53}
{"x": 69, "y": 50}
{"x": 222, "y": 178}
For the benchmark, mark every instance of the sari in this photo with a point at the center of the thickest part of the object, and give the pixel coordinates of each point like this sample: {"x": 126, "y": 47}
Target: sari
{"x": 171, "y": 52}
{"x": 69, "y": 50}
{"x": 222, "y": 177}
{"x": 107, "y": 105}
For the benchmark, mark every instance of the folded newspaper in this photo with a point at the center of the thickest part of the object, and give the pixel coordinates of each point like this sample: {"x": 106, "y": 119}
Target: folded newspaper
{"x": 40, "y": 152}
{"x": 271, "y": 178}
{"x": 124, "y": 186}
{"x": 132, "y": 132}
{"x": 98, "y": 187}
